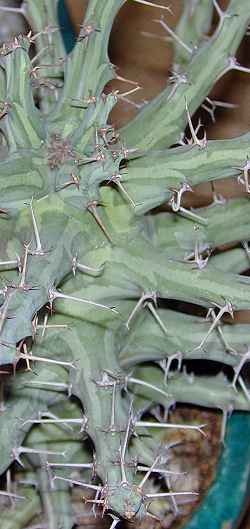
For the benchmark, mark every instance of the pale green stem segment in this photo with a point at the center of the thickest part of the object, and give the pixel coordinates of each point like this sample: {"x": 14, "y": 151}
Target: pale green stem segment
{"x": 182, "y": 387}
{"x": 192, "y": 28}
{"x": 153, "y": 179}
{"x": 146, "y": 341}
{"x": 88, "y": 68}
{"x": 48, "y": 66}
{"x": 24, "y": 402}
{"x": 21, "y": 123}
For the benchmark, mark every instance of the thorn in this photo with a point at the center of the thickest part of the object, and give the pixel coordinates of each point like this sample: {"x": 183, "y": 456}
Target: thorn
{"x": 82, "y": 421}
{"x": 138, "y": 105}
{"x": 48, "y": 30}
{"x": 165, "y": 364}
{"x": 30, "y": 356}
{"x": 244, "y": 388}
{"x": 124, "y": 448}
{"x": 45, "y": 321}
{"x": 92, "y": 208}
{"x": 52, "y": 326}
{"x": 84, "y": 268}
{"x": 116, "y": 178}
{"x": 201, "y": 143}
{"x": 22, "y": 284}
{"x": 159, "y": 414}
{"x": 25, "y": 450}
{"x": 126, "y": 152}
{"x": 38, "y": 55}
{"x": 234, "y": 65}
{"x": 149, "y": 300}
{"x": 151, "y": 4}
{"x": 151, "y": 307}
{"x": 9, "y": 484}
{"x": 112, "y": 427}
{"x": 146, "y": 296}
{"x": 244, "y": 359}
{"x": 245, "y": 179}
{"x": 147, "y": 424}
{"x": 31, "y": 482}
{"x": 175, "y": 200}
{"x": 162, "y": 495}
{"x": 21, "y": 9}
{"x": 227, "y": 308}
{"x": 174, "y": 35}
{"x": 67, "y": 387}
{"x": 125, "y": 80}
{"x": 246, "y": 248}
{"x": 155, "y": 36}
{"x": 86, "y": 30}
{"x": 176, "y": 79}
{"x": 12, "y": 496}
{"x": 4, "y": 310}
{"x": 162, "y": 471}
{"x": 71, "y": 465}
{"x": 228, "y": 347}
{"x": 148, "y": 473}
{"x": 23, "y": 344}
{"x": 38, "y": 250}
{"x": 214, "y": 104}
{"x": 129, "y": 92}
{"x": 114, "y": 518}
{"x": 35, "y": 69}
{"x": 197, "y": 258}
{"x": 83, "y": 103}
{"x": 226, "y": 412}
{"x": 189, "y": 214}
{"x": 65, "y": 422}
{"x": 222, "y": 14}
{"x": 218, "y": 199}
{"x": 80, "y": 483}
{"x": 95, "y": 502}
{"x": 133, "y": 380}
{"x": 173, "y": 499}
{"x": 55, "y": 294}
{"x": 103, "y": 131}
{"x": 75, "y": 180}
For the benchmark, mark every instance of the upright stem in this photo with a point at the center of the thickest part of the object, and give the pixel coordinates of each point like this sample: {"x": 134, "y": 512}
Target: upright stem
{"x": 88, "y": 68}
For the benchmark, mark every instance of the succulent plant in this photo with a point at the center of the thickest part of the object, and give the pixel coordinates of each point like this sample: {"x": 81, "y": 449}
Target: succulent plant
{"x": 98, "y": 281}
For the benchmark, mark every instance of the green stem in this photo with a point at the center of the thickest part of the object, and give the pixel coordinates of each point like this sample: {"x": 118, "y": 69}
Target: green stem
{"x": 161, "y": 122}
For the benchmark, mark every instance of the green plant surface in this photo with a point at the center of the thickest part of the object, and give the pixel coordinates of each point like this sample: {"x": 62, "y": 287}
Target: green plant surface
{"x": 109, "y": 306}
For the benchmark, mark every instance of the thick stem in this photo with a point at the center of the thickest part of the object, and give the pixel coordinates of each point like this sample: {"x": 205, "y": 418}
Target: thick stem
{"x": 88, "y": 68}
{"x": 152, "y": 179}
{"x": 43, "y": 18}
